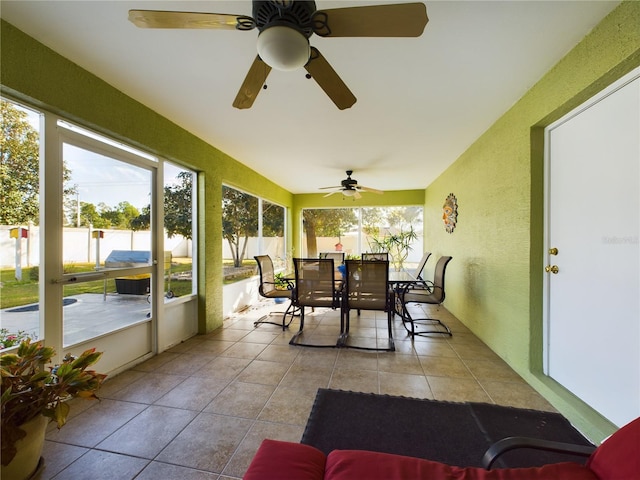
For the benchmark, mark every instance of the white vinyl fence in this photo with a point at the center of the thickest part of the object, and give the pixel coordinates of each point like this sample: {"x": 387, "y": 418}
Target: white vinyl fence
{"x": 79, "y": 246}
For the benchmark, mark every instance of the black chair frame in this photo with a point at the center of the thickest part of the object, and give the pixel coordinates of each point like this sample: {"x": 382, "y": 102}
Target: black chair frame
{"x": 512, "y": 443}
{"x": 432, "y": 293}
{"x": 267, "y": 289}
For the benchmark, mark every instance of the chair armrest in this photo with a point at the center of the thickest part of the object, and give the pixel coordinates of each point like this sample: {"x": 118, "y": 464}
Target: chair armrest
{"x": 512, "y": 443}
{"x": 290, "y": 284}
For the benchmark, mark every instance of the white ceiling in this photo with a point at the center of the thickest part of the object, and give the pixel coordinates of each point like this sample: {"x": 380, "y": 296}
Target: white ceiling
{"x": 421, "y": 101}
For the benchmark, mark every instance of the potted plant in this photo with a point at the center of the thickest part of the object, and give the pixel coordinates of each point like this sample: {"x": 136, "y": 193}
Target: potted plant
{"x": 397, "y": 244}
{"x": 281, "y": 283}
{"x": 33, "y": 396}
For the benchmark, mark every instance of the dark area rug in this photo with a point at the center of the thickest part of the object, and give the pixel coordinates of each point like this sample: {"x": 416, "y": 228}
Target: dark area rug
{"x": 449, "y": 432}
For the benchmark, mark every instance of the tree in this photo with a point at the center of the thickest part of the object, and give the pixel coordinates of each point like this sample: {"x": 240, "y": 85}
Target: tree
{"x": 272, "y": 220}
{"x": 239, "y": 221}
{"x": 372, "y": 218}
{"x": 142, "y": 221}
{"x": 178, "y": 209}
{"x": 19, "y": 168}
{"x": 119, "y": 217}
{"x": 326, "y": 223}
{"x": 89, "y": 215}
{"x": 403, "y": 217}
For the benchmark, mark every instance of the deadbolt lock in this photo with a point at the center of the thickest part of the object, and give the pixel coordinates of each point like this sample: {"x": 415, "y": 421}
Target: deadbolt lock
{"x": 551, "y": 268}
{"x": 553, "y": 251}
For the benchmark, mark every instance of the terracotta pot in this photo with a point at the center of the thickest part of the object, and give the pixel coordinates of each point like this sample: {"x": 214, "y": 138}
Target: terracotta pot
{"x": 25, "y": 463}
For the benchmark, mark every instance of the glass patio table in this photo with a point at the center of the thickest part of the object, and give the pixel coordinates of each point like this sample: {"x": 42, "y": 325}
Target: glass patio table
{"x": 398, "y": 280}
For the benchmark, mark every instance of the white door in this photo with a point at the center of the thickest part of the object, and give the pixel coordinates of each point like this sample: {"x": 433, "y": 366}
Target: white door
{"x": 592, "y": 334}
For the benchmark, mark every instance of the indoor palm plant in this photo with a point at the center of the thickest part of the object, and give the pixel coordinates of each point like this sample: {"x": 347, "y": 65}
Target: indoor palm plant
{"x": 397, "y": 244}
{"x": 32, "y": 394}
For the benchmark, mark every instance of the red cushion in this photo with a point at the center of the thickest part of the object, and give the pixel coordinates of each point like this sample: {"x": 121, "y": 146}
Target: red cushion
{"x": 355, "y": 464}
{"x": 618, "y": 458}
{"x": 276, "y": 460}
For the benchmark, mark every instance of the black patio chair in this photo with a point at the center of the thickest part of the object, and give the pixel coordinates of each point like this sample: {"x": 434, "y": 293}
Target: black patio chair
{"x": 367, "y": 288}
{"x": 315, "y": 286}
{"x": 432, "y": 293}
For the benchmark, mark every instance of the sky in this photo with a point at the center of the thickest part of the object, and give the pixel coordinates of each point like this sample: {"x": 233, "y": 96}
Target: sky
{"x": 101, "y": 179}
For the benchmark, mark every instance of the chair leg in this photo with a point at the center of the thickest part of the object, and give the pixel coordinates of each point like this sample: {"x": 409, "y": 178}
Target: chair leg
{"x": 342, "y": 342}
{"x": 392, "y": 345}
{"x": 291, "y": 310}
{"x": 344, "y": 327}
{"x": 407, "y": 318}
{"x": 294, "y": 339}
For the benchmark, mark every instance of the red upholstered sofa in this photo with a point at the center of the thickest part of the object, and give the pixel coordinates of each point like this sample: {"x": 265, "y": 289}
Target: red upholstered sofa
{"x": 618, "y": 458}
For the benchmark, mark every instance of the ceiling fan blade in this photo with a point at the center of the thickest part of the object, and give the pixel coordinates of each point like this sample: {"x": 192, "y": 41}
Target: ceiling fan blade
{"x": 327, "y": 188}
{"x": 331, "y": 193}
{"x": 356, "y": 195}
{"x": 252, "y": 84}
{"x": 166, "y": 19}
{"x": 397, "y": 20}
{"x": 329, "y": 81}
{"x": 371, "y": 190}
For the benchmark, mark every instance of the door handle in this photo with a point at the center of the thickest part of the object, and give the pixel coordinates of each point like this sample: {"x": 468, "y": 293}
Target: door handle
{"x": 551, "y": 269}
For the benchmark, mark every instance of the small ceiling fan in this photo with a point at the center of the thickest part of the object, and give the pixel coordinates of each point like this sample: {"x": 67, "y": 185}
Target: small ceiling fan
{"x": 350, "y": 188}
{"x": 283, "y": 42}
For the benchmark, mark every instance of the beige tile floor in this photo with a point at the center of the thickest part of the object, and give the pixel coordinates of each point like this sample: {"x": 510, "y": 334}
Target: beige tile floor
{"x": 201, "y": 409}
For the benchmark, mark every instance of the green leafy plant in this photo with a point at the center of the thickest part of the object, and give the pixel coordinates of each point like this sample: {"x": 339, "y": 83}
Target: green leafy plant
{"x": 281, "y": 282}
{"x": 29, "y": 390}
{"x": 397, "y": 244}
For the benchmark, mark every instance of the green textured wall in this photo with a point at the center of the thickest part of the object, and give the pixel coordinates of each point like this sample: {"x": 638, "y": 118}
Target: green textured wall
{"x": 39, "y": 76}
{"x": 494, "y": 282}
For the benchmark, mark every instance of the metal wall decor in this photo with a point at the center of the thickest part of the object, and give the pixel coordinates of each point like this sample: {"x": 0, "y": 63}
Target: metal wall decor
{"x": 450, "y": 213}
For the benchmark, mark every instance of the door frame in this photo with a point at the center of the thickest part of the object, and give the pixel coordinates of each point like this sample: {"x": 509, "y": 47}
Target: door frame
{"x": 631, "y": 77}
{"x": 139, "y": 341}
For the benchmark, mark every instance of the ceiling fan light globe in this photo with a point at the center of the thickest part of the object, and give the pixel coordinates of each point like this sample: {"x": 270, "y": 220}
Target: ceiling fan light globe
{"x": 283, "y": 48}
{"x": 348, "y": 193}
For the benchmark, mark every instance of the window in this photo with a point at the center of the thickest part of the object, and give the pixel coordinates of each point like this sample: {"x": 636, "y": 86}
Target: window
{"x": 397, "y": 230}
{"x": 19, "y": 222}
{"x": 273, "y": 239}
{"x": 251, "y": 226}
{"x": 82, "y": 244}
{"x": 179, "y": 196}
